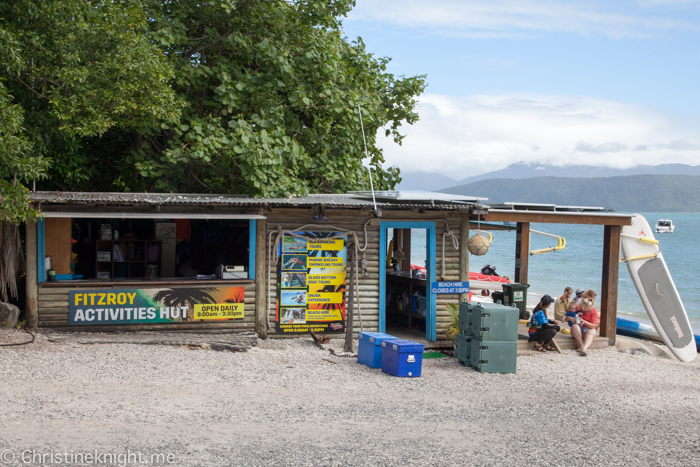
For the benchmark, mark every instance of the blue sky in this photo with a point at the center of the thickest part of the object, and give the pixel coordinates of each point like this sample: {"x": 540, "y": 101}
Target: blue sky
{"x": 559, "y": 82}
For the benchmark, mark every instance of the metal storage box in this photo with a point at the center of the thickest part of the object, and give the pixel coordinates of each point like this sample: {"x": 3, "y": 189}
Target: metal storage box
{"x": 402, "y": 358}
{"x": 369, "y": 350}
{"x": 463, "y": 348}
{"x": 465, "y": 316}
{"x": 493, "y": 356}
{"x": 494, "y": 322}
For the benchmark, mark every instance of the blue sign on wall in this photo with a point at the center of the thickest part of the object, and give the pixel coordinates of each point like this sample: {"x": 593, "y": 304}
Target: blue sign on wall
{"x": 449, "y": 287}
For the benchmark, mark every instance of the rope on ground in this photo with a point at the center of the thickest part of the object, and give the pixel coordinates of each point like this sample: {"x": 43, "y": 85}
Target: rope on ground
{"x": 21, "y": 343}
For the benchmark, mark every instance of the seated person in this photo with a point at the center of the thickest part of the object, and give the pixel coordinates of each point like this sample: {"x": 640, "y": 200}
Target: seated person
{"x": 542, "y": 330}
{"x": 562, "y": 304}
{"x": 585, "y": 330}
{"x": 571, "y": 315}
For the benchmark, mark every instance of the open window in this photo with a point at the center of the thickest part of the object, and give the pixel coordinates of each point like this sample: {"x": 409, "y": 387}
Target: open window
{"x": 139, "y": 249}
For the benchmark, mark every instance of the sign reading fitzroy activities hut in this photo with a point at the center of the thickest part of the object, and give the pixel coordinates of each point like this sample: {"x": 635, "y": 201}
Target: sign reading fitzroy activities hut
{"x": 311, "y": 283}
{"x": 146, "y": 306}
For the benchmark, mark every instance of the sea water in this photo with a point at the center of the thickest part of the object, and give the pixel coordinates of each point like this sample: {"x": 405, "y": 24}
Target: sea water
{"x": 580, "y": 264}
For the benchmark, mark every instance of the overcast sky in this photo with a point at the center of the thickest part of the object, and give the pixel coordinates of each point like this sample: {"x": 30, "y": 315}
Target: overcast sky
{"x": 605, "y": 83}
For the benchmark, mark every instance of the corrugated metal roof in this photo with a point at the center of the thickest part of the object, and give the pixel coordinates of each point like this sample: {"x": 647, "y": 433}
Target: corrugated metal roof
{"x": 193, "y": 199}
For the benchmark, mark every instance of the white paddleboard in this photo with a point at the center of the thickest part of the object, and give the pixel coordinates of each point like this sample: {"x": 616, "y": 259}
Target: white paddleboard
{"x": 659, "y": 295}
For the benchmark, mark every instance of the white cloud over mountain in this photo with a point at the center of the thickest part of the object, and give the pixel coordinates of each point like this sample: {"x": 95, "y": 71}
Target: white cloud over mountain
{"x": 465, "y": 136}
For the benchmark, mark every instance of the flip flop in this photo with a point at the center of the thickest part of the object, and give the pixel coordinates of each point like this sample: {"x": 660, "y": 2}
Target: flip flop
{"x": 548, "y": 348}
{"x": 582, "y": 352}
{"x": 538, "y": 347}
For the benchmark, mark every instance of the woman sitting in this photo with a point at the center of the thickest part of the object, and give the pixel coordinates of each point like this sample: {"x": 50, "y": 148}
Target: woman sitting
{"x": 585, "y": 330}
{"x": 542, "y": 330}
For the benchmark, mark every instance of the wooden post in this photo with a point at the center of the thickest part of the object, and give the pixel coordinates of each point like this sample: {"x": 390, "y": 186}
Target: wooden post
{"x": 522, "y": 251}
{"x": 261, "y": 271}
{"x": 31, "y": 278}
{"x": 351, "y": 298}
{"x": 608, "y": 289}
{"x": 406, "y": 248}
{"x": 463, "y": 253}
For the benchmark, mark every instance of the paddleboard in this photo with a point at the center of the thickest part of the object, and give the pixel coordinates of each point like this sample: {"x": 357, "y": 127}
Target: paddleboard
{"x": 642, "y": 253}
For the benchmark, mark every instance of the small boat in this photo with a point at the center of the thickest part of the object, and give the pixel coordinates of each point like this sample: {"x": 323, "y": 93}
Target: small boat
{"x": 664, "y": 226}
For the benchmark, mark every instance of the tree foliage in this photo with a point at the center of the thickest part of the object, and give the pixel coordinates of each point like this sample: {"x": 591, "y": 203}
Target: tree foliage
{"x": 272, "y": 91}
{"x": 76, "y": 69}
{"x": 230, "y": 96}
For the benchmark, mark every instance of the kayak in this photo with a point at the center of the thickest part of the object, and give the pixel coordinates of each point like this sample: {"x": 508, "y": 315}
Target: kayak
{"x": 631, "y": 328}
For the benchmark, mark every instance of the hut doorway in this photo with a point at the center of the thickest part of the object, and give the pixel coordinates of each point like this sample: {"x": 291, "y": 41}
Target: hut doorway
{"x": 406, "y": 271}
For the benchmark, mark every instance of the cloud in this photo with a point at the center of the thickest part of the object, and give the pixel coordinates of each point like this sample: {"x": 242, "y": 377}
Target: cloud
{"x": 465, "y": 136}
{"x": 519, "y": 18}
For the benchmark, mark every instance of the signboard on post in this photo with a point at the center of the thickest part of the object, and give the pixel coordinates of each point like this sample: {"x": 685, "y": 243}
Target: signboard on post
{"x": 148, "y": 306}
{"x": 311, "y": 283}
{"x": 449, "y": 287}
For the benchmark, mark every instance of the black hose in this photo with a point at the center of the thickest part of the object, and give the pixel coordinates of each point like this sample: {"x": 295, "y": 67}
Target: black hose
{"x": 21, "y": 343}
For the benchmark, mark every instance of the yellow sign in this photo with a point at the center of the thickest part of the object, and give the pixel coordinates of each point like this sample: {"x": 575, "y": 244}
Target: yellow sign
{"x": 218, "y": 311}
{"x": 324, "y": 298}
{"x": 325, "y": 262}
{"x": 325, "y": 279}
{"x": 335, "y": 244}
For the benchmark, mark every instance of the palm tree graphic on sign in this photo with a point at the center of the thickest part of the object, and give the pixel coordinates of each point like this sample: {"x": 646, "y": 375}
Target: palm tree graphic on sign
{"x": 185, "y": 297}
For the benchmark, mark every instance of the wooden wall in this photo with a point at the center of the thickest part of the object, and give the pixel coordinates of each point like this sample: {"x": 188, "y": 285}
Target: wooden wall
{"x": 53, "y": 309}
{"x": 53, "y": 298}
{"x": 293, "y": 219}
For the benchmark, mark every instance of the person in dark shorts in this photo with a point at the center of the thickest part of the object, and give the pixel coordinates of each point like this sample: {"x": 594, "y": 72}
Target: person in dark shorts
{"x": 542, "y": 330}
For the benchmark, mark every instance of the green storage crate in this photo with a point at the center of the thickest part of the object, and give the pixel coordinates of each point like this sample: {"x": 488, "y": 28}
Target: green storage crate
{"x": 465, "y": 313}
{"x": 516, "y": 294}
{"x": 463, "y": 348}
{"x": 494, "y": 322}
{"x": 493, "y": 356}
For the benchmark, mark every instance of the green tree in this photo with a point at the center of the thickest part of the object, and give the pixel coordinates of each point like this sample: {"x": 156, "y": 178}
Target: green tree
{"x": 272, "y": 90}
{"x": 17, "y": 166}
{"x": 78, "y": 69}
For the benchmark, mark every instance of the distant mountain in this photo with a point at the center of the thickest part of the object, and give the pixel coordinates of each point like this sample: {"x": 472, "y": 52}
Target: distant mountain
{"x": 519, "y": 170}
{"x": 424, "y": 181}
{"x": 527, "y": 170}
{"x": 633, "y": 193}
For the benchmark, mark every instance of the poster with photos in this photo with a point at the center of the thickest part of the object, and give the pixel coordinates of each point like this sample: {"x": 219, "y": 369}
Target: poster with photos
{"x": 311, "y": 283}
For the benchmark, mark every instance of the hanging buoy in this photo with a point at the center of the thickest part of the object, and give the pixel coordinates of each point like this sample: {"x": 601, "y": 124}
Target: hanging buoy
{"x": 478, "y": 245}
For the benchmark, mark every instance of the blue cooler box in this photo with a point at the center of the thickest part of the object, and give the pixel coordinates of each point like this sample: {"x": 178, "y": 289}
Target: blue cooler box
{"x": 402, "y": 358}
{"x": 369, "y": 350}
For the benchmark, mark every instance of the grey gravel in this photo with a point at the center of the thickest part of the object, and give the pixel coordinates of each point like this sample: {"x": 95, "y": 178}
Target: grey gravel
{"x": 284, "y": 403}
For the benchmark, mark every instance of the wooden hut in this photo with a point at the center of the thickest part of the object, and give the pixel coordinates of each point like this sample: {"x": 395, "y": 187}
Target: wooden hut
{"x": 186, "y": 262}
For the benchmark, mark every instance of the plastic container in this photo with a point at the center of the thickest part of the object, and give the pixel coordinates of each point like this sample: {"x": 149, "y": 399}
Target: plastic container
{"x": 465, "y": 316}
{"x": 494, "y": 322}
{"x": 402, "y": 358}
{"x": 369, "y": 350}
{"x": 493, "y": 356}
{"x": 463, "y": 349}
{"x": 516, "y": 293}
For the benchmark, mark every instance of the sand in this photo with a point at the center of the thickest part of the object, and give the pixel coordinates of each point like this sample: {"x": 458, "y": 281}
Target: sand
{"x": 286, "y": 402}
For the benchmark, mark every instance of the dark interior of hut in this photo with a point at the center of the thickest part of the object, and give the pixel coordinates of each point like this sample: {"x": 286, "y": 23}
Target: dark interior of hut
{"x": 406, "y": 305}
{"x": 141, "y": 249}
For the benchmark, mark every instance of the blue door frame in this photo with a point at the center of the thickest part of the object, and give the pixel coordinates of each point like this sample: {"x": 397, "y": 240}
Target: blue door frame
{"x": 430, "y": 299}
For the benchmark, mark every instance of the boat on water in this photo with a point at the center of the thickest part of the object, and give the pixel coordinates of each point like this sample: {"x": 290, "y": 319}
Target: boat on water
{"x": 664, "y": 226}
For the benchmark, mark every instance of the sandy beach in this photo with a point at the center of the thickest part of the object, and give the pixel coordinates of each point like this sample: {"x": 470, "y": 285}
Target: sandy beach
{"x": 286, "y": 402}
